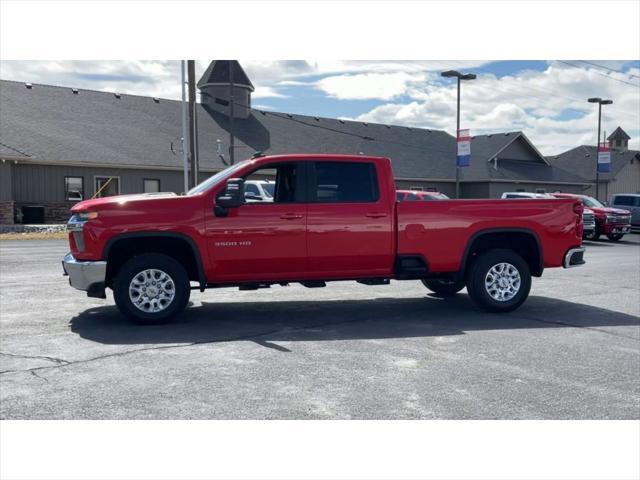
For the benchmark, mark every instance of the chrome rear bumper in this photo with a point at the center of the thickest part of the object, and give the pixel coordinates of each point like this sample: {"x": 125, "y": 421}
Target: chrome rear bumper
{"x": 574, "y": 258}
{"x": 88, "y": 276}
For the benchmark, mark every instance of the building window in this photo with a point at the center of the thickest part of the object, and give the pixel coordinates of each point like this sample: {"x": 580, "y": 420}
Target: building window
{"x": 74, "y": 188}
{"x": 151, "y": 185}
{"x": 106, "y": 186}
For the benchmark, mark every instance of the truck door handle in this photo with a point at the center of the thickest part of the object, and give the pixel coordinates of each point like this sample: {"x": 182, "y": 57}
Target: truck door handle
{"x": 290, "y": 216}
{"x": 376, "y": 215}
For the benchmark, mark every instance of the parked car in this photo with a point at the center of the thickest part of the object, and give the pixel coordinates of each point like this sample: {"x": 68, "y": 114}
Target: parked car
{"x": 333, "y": 217}
{"x": 612, "y": 222}
{"x": 525, "y": 195}
{"x": 259, "y": 190}
{"x": 419, "y": 195}
{"x": 631, "y": 202}
{"x": 588, "y": 223}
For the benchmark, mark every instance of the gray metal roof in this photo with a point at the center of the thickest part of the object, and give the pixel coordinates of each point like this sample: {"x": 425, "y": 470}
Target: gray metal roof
{"x": 52, "y": 124}
{"x": 582, "y": 161}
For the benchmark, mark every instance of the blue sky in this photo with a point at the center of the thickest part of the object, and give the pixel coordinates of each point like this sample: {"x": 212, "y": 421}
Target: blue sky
{"x": 544, "y": 98}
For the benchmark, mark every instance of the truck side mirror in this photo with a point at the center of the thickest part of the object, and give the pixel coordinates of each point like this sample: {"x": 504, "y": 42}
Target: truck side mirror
{"x": 233, "y": 195}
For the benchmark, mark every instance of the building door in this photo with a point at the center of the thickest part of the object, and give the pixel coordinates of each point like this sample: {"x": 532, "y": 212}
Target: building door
{"x": 350, "y": 221}
{"x": 264, "y": 239}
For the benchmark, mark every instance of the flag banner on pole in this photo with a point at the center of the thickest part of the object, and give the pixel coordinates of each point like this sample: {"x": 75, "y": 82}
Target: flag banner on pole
{"x": 604, "y": 158}
{"x": 464, "y": 148}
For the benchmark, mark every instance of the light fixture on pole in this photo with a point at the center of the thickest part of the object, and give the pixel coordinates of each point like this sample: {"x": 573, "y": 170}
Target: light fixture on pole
{"x": 600, "y": 102}
{"x": 460, "y": 77}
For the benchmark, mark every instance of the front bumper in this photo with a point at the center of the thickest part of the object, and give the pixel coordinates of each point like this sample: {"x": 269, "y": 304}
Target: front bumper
{"x": 613, "y": 229}
{"x": 88, "y": 276}
{"x": 574, "y": 257}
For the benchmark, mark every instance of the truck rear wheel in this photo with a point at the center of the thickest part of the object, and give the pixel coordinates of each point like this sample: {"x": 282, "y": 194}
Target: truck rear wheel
{"x": 443, "y": 288}
{"x": 151, "y": 288}
{"x": 499, "y": 280}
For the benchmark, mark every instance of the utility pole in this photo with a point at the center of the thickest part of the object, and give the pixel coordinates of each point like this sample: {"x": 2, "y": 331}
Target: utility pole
{"x": 232, "y": 148}
{"x": 459, "y": 76}
{"x": 185, "y": 143}
{"x": 600, "y": 102}
{"x": 191, "y": 74}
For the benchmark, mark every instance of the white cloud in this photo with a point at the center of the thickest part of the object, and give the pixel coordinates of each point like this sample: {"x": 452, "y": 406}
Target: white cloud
{"x": 267, "y": 92}
{"x": 533, "y": 102}
{"x": 363, "y": 86}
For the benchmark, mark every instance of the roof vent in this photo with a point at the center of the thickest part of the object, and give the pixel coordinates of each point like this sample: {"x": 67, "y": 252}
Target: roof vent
{"x": 365, "y": 124}
{"x": 388, "y": 126}
{"x": 28, "y": 85}
{"x": 289, "y": 115}
{"x": 75, "y": 91}
{"x": 156, "y": 99}
{"x": 262, "y": 112}
{"x": 317, "y": 119}
{"x": 341, "y": 121}
{"x": 506, "y": 134}
{"x": 410, "y": 129}
{"x": 489, "y": 136}
{"x": 117, "y": 95}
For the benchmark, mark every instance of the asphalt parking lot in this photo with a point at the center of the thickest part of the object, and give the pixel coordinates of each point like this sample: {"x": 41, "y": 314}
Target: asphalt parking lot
{"x": 345, "y": 351}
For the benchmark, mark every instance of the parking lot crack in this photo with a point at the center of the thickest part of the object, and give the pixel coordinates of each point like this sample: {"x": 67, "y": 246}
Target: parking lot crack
{"x": 565, "y": 324}
{"x": 33, "y": 372}
{"x": 37, "y": 357}
{"x": 250, "y": 336}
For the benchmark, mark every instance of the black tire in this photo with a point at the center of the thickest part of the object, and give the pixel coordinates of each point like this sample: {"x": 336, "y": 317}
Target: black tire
{"x": 615, "y": 237}
{"x": 594, "y": 235}
{"x": 479, "y": 271}
{"x": 135, "y": 268}
{"x": 444, "y": 288}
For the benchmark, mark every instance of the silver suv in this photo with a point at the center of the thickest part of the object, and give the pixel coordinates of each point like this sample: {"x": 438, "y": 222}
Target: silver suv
{"x": 631, "y": 202}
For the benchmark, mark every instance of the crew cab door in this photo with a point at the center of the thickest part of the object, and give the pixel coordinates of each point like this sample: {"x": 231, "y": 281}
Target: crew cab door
{"x": 350, "y": 220}
{"x": 262, "y": 239}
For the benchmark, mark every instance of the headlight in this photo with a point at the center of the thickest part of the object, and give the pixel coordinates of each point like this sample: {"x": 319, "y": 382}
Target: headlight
{"x": 77, "y": 221}
{"x": 85, "y": 216}
{"x": 610, "y": 218}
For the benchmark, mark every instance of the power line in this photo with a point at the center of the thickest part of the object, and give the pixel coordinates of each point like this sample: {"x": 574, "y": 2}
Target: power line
{"x": 598, "y": 73}
{"x": 547, "y": 93}
{"x": 609, "y": 69}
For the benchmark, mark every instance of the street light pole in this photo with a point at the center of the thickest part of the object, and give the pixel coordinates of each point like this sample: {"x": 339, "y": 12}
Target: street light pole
{"x": 460, "y": 77}
{"x": 457, "y": 134}
{"x": 598, "y": 151}
{"x": 600, "y": 102}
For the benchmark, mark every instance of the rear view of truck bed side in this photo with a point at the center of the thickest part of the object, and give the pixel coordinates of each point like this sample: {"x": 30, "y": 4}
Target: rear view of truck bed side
{"x": 493, "y": 247}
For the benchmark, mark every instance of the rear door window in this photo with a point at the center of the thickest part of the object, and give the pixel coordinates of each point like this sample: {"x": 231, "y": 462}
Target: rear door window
{"x": 343, "y": 182}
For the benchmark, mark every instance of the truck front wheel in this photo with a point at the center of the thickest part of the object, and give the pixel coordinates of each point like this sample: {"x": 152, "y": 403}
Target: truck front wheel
{"x": 151, "y": 288}
{"x": 499, "y": 280}
{"x": 443, "y": 288}
{"x": 594, "y": 234}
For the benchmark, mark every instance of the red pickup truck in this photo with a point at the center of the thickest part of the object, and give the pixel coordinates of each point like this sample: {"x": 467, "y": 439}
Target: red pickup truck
{"x": 332, "y": 217}
{"x": 615, "y": 223}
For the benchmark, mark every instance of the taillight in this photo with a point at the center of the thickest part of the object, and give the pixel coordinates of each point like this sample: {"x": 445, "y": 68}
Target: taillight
{"x": 578, "y": 208}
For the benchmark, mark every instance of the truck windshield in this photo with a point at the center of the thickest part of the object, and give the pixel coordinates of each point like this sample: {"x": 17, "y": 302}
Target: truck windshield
{"x": 218, "y": 177}
{"x": 591, "y": 202}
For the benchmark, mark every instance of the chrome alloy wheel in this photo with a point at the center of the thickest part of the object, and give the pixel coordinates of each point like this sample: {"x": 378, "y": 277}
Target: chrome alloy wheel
{"x": 502, "y": 282}
{"x": 152, "y": 290}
